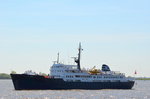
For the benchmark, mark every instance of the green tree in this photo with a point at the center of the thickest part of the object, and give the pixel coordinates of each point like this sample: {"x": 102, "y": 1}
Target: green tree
{"x": 4, "y": 76}
{"x": 13, "y": 72}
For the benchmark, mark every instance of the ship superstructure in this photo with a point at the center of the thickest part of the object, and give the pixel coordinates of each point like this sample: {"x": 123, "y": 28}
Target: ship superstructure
{"x": 73, "y": 73}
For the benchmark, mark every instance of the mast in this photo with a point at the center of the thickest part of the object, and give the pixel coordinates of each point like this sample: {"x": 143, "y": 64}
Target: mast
{"x": 79, "y": 56}
{"x": 57, "y": 58}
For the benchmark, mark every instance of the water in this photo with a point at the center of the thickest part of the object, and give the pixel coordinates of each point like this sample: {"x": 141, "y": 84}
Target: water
{"x": 141, "y": 90}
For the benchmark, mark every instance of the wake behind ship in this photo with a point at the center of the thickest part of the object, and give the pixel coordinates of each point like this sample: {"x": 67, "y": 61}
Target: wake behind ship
{"x": 72, "y": 77}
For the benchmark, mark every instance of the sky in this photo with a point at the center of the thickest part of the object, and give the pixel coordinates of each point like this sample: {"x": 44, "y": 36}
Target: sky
{"x": 112, "y": 32}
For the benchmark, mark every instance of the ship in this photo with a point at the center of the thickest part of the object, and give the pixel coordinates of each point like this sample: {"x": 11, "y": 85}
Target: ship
{"x": 64, "y": 76}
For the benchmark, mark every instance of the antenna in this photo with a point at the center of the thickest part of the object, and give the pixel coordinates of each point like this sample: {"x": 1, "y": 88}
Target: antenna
{"x": 57, "y": 57}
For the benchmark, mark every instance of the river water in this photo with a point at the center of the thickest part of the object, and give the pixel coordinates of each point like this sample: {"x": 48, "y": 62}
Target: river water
{"x": 141, "y": 90}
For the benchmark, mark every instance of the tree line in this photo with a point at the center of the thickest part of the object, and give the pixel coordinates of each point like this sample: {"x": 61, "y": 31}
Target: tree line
{"x": 4, "y": 76}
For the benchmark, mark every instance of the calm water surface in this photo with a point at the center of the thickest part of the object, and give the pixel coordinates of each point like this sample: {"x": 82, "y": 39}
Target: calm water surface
{"x": 141, "y": 90}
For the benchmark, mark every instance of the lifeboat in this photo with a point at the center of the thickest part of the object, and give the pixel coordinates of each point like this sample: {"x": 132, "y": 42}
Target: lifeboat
{"x": 94, "y": 71}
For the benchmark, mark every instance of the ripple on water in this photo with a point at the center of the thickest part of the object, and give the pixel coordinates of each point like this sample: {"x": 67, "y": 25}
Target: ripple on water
{"x": 140, "y": 91}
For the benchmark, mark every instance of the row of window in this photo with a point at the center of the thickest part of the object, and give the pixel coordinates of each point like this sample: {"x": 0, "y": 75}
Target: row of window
{"x": 83, "y": 76}
{"x": 56, "y": 66}
{"x": 57, "y": 71}
{"x": 69, "y": 76}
